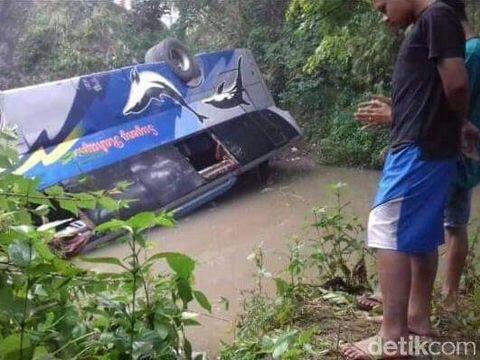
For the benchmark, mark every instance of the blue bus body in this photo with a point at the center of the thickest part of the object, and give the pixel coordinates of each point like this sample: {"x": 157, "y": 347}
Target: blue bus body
{"x": 178, "y": 145}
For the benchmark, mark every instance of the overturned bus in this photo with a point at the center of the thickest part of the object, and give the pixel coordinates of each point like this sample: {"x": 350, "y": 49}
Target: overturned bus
{"x": 179, "y": 128}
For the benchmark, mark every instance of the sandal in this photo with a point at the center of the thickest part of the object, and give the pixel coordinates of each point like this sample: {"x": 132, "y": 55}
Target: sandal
{"x": 369, "y": 302}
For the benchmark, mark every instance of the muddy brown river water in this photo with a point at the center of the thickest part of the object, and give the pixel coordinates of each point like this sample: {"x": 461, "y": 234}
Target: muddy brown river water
{"x": 221, "y": 235}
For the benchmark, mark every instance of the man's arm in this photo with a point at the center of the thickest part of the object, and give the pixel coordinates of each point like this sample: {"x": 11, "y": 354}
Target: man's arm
{"x": 456, "y": 88}
{"x": 454, "y": 76}
{"x": 446, "y": 48}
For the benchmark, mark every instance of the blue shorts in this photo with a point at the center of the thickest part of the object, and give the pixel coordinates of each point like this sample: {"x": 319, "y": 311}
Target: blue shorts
{"x": 457, "y": 210}
{"x": 409, "y": 207}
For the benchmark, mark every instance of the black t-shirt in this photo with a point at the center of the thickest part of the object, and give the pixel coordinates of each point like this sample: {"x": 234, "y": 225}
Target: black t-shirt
{"x": 421, "y": 113}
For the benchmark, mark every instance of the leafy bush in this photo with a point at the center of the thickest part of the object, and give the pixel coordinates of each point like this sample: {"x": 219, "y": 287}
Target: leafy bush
{"x": 53, "y": 309}
{"x": 337, "y": 252}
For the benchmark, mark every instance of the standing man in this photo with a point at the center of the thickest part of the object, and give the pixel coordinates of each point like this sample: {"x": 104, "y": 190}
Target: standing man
{"x": 457, "y": 212}
{"x": 429, "y": 104}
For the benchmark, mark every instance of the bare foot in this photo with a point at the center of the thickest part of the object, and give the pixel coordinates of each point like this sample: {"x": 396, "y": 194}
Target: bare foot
{"x": 360, "y": 350}
{"x": 420, "y": 328}
{"x": 368, "y": 349}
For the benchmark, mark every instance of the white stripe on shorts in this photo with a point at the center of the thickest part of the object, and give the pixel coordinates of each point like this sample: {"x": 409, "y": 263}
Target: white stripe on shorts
{"x": 383, "y": 225}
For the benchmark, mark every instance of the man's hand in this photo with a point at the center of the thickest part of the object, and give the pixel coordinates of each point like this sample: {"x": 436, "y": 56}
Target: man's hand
{"x": 377, "y": 111}
{"x": 470, "y": 138}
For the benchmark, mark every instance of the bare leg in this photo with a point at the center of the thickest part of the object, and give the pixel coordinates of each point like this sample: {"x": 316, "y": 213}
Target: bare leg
{"x": 424, "y": 270}
{"x": 395, "y": 281}
{"x": 457, "y": 250}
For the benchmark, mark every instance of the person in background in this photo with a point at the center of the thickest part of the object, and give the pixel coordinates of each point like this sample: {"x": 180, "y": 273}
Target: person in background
{"x": 457, "y": 211}
{"x": 430, "y": 101}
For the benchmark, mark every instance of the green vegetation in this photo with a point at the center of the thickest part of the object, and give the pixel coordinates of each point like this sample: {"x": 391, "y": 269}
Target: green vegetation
{"x": 52, "y": 309}
{"x": 82, "y": 37}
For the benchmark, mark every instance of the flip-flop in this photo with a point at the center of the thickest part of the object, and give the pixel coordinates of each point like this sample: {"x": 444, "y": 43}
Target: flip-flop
{"x": 423, "y": 337}
{"x": 368, "y": 302}
{"x": 362, "y": 352}
{"x": 377, "y": 319}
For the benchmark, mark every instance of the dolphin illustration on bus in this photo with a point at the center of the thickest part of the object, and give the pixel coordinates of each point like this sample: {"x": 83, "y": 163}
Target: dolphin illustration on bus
{"x": 148, "y": 86}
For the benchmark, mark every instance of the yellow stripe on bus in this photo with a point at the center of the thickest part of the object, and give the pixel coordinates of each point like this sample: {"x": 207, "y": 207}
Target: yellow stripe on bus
{"x": 40, "y": 156}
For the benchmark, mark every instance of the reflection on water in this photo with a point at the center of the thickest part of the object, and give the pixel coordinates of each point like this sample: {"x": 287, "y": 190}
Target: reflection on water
{"x": 221, "y": 235}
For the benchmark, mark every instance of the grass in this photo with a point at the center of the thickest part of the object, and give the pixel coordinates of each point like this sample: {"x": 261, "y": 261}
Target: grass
{"x": 320, "y": 320}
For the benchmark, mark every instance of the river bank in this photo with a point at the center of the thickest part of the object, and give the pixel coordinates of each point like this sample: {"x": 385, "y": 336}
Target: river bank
{"x": 221, "y": 235}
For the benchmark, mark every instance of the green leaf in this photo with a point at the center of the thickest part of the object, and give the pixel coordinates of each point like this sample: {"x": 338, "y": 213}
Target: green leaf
{"x": 123, "y": 185}
{"x": 283, "y": 343}
{"x": 113, "y": 225}
{"x": 43, "y": 251}
{"x": 142, "y": 221}
{"x": 104, "y": 260}
{"x": 23, "y": 229}
{"x": 280, "y": 348}
{"x": 26, "y": 186}
{"x": 55, "y": 191}
{"x": 7, "y": 238}
{"x": 282, "y": 286}
{"x": 191, "y": 322}
{"x": 39, "y": 199}
{"x": 42, "y": 269}
{"x": 165, "y": 220}
{"x": 202, "y": 300}
{"x": 10, "y": 305}
{"x": 69, "y": 205}
{"x": 5, "y": 161}
{"x": 10, "y": 346}
{"x": 64, "y": 267}
{"x": 85, "y": 201}
{"x": 21, "y": 254}
{"x": 181, "y": 264}
{"x": 184, "y": 290}
{"x": 141, "y": 348}
{"x": 162, "y": 331}
{"x": 42, "y": 353}
{"x": 107, "y": 203}
{"x": 101, "y": 322}
{"x": 22, "y": 216}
